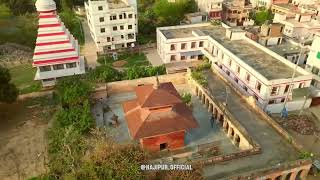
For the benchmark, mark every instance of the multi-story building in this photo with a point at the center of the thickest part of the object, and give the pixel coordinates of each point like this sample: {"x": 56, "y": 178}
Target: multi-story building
{"x": 212, "y": 7}
{"x": 236, "y": 12}
{"x": 267, "y": 3}
{"x": 270, "y": 34}
{"x": 57, "y": 52}
{"x": 254, "y": 69}
{"x": 313, "y": 62}
{"x": 112, "y": 23}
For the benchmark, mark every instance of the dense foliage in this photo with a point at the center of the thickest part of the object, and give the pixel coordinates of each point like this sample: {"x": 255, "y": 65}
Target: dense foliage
{"x": 136, "y": 72}
{"x": 8, "y": 91}
{"x": 104, "y": 73}
{"x": 72, "y": 91}
{"x": 261, "y": 16}
{"x": 186, "y": 98}
{"x": 159, "y": 13}
{"x": 199, "y": 77}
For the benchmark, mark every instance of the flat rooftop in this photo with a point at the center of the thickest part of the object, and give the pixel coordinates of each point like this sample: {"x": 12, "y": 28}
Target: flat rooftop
{"x": 286, "y": 48}
{"x": 183, "y": 32}
{"x": 262, "y": 62}
{"x": 113, "y": 4}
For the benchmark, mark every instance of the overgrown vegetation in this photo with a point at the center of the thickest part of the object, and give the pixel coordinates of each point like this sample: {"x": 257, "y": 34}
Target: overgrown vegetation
{"x": 132, "y": 59}
{"x": 305, "y": 155}
{"x": 205, "y": 64}
{"x": 8, "y": 91}
{"x": 261, "y": 16}
{"x": 154, "y": 14}
{"x": 136, "y": 72}
{"x": 186, "y": 98}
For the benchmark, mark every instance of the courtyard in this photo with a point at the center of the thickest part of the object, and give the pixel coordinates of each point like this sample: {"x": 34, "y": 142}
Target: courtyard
{"x": 207, "y": 133}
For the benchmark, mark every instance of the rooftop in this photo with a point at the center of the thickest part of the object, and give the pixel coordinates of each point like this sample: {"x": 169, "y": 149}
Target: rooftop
{"x": 183, "y": 32}
{"x": 115, "y": 4}
{"x": 285, "y": 48}
{"x": 262, "y": 62}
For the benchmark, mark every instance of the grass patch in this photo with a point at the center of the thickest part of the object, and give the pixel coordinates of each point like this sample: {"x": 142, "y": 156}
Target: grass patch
{"x": 23, "y": 78}
{"x": 135, "y": 59}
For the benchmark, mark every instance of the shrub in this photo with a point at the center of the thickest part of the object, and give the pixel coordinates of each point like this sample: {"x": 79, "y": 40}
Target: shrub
{"x": 204, "y": 65}
{"x": 104, "y": 73}
{"x": 199, "y": 77}
{"x": 186, "y": 98}
{"x": 145, "y": 71}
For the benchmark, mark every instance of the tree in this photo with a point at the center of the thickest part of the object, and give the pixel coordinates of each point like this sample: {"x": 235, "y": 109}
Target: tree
{"x": 8, "y": 91}
{"x": 262, "y": 16}
{"x": 73, "y": 91}
{"x": 5, "y": 12}
{"x": 19, "y": 7}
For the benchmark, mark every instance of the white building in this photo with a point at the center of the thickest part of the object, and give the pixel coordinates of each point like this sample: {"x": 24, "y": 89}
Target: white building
{"x": 112, "y": 23}
{"x": 212, "y": 7}
{"x": 57, "y": 52}
{"x": 252, "y": 68}
{"x": 313, "y": 63}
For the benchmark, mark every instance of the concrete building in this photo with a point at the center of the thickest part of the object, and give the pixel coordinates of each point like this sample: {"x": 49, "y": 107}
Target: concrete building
{"x": 197, "y": 17}
{"x": 270, "y": 34}
{"x": 254, "y": 69}
{"x": 57, "y": 52}
{"x": 236, "y": 12}
{"x": 267, "y": 3}
{"x": 212, "y": 7}
{"x": 313, "y": 64}
{"x": 113, "y": 24}
{"x": 158, "y": 118}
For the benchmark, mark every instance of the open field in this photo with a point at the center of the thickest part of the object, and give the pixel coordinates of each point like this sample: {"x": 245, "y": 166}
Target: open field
{"x": 22, "y": 138}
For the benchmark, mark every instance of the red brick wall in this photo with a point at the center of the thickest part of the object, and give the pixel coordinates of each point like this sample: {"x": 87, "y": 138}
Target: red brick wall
{"x": 174, "y": 140}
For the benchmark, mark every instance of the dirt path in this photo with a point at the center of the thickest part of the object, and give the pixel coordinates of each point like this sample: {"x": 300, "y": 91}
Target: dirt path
{"x": 23, "y": 139}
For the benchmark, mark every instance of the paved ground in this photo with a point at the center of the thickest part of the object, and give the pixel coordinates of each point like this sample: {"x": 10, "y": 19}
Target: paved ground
{"x": 89, "y": 49}
{"x": 274, "y": 148}
{"x": 153, "y": 57}
{"x": 205, "y": 134}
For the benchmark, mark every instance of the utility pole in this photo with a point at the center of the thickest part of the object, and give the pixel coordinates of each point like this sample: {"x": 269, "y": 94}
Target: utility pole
{"x": 293, "y": 75}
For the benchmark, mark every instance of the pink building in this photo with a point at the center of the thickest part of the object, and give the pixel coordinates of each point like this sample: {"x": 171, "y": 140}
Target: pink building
{"x": 57, "y": 52}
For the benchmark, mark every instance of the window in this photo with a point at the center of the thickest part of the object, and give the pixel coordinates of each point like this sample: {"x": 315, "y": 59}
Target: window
{"x": 286, "y": 89}
{"x": 71, "y": 65}
{"x": 230, "y": 62}
{"x": 315, "y": 70}
{"x": 100, "y": 8}
{"x": 192, "y": 57}
{"x": 45, "y": 68}
{"x": 101, "y": 19}
{"x": 272, "y": 102}
{"x": 108, "y": 39}
{"x": 256, "y": 97}
{"x": 120, "y": 16}
{"x": 247, "y": 77}
{"x": 130, "y": 27}
{"x": 274, "y": 90}
{"x": 173, "y": 58}
{"x": 122, "y": 36}
{"x": 183, "y": 58}
{"x": 124, "y": 16}
{"x": 238, "y": 69}
{"x": 236, "y": 80}
{"x": 258, "y": 86}
{"x": 172, "y": 47}
{"x": 121, "y": 27}
{"x": 301, "y": 85}
{"x": 245, "y": 88}
{"x": 131, "y": 36}
{"x": 201, "y": 44}
{"x": 102, "y": 30}
{"x": 183, "y": 46}
{"x": 58, "y": 66}
{"x": 228, "y": 73}
{"x": 114, "y": 28}
{"x": 114, "y": 17}
{"x": 130, "y": 16}
{"x": 193, "y": 44}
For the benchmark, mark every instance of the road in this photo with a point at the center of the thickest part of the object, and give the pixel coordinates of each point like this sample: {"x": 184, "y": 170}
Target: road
{"x": 275, "y": 149}
{"x": 89, "y": 50}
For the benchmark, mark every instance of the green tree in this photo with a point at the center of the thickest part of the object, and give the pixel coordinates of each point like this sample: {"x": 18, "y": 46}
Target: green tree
{"x": 8, "y": 91}
{"x": 5, "y": 12}
{"x": 73, "y": 91}
{"x": 19, "y": 7}
{"x": 262, "y": 16}
{"x": 104, "y": 73}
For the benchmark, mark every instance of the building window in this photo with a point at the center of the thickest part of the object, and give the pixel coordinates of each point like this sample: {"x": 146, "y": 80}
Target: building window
{"x": 114, "y": 17}
{"x": 274, "y": 90}
{"x": 183, "y": 58}
{"x": 228, "y": 73}
{"x": 122, "y": 36}
{"x": 71, "y": 65}
{"x": 315, "y": 70}
{"x": 114, "y": 28}
{"x": 201, "y": 44}
{"x": 286, "y": 89}
{"x": 102, "y": 30}
{"x": 301, "y": 85}
{"x": 130, "y": 27}
{"x": 236, "y": 80}
{"x": 100, "y": 8}
{"x": 131, "y": 36}
{"x": 121, "y": 27}
{"x": 58, "y": 66}
{"x": 183, "y": 46}
{"x": 247, "y": 77}
{"x": 258, "y": 86}
{"x": 45, "y": 68}
{"x": 256, "y": 97}
{"x": 272, "y": 102}
{"x": 238, "y": 69}
{"x": 193, "y": 44}
{"x": 172, "y": 47}
{"x": 108, "y": 39}
{"x": 230, "y": 62}
{"x": 130, "y": 16}
{"x": 245, "y": 88}
{"x": 101, "y": 19}
{"x": 173, "y": 58}
{"x": 120, "y": 16}
{"x": 192, "y": 57}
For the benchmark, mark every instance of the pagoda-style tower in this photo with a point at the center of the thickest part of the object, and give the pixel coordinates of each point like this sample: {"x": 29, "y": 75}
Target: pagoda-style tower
{"x": 57, "y": 52}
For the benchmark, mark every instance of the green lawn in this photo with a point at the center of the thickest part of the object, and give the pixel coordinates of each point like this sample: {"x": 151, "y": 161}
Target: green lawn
{"x": 22, "y": 76}
{"x": 132, "y": 59}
